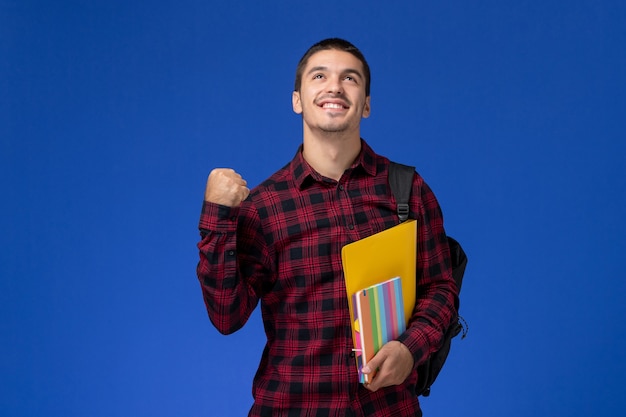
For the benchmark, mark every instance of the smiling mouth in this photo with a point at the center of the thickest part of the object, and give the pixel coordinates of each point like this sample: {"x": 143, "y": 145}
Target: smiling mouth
{"x": 333, "y": 106}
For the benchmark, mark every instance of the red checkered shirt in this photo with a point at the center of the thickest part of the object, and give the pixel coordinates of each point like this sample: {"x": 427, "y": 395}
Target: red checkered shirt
{"x": 282, "y": 246}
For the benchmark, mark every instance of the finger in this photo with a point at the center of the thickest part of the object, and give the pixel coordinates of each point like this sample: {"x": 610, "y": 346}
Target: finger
{"x": 244, "y": 193}
{"x": 371, "y": 370}
{"x": 235, "y": 177}
{"x": 378, "y": 381}
{"x": 372, "y": 386}
{"x": 226, "y": 177}
{"x": 225, "y": 172}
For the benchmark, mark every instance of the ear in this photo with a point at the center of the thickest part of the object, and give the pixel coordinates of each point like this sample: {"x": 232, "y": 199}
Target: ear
{"x": 366, "y": 108}
{"x": 296, "y": 103}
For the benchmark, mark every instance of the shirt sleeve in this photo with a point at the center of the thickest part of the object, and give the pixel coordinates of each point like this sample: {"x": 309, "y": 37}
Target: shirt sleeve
{"x": 437, "y": 293}
{"x": 233, "y": 268}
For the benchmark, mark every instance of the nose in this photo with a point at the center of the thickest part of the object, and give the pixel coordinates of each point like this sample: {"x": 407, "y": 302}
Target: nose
{"x": 334, "y": 85}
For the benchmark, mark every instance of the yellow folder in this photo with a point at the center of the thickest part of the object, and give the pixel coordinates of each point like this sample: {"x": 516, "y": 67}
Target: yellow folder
{"x": 380, "y": 257}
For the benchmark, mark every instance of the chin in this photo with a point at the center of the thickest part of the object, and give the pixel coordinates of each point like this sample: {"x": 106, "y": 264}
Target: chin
{"x": 334, "y": 128}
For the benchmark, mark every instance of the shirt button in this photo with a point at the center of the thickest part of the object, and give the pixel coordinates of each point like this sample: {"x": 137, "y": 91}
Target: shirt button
{"x": 231, "y": 253}
{"x": 341, "y": 187}
{"x": 351, "y": 226}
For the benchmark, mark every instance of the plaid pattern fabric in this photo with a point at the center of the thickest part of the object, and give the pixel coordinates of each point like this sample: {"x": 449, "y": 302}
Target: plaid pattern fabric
{"x": 282, "y": 246}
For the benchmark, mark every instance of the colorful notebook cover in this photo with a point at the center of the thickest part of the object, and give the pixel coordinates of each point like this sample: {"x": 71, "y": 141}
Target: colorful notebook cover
{"x": 378, "y": 319}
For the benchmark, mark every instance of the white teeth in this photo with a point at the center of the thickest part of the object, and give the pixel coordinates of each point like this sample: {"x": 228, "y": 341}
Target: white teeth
{"x": 332, "y": 106}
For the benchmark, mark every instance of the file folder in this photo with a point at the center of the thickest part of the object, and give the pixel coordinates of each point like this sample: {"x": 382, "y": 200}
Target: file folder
{"x": 379, "y": 258}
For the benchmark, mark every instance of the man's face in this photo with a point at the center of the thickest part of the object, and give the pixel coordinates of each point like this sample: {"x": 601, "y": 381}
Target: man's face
{"x": 332, "y": 93}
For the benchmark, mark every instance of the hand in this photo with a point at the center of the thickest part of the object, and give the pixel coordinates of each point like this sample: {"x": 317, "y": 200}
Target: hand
{"x": 226, "y": 187}
{"x": 390, "y": 366}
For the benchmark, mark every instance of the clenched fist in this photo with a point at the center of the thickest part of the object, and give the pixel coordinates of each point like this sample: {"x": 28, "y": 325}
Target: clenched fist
{"x": 226, "y": 187}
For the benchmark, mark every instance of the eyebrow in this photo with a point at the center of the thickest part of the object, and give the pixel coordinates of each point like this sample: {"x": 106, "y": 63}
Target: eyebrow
{"x": 346, "y": 71}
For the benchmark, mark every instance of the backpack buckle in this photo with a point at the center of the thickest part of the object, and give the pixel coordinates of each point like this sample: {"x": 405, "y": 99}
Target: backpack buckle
{"x": 403, "y": 212}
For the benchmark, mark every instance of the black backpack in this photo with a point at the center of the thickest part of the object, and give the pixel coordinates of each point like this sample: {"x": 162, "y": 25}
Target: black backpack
{"x": 401, "y": 182}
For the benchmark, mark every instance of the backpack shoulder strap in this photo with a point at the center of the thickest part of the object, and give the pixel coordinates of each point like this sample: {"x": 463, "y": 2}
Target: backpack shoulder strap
{"x": 401, "y": 182}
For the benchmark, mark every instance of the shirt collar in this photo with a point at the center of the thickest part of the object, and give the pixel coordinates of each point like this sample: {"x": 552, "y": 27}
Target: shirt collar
{"x": 304, "y": 174}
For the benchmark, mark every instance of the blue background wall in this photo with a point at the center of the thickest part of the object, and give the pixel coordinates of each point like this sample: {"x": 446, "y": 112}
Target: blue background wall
{"x": 112, "y": 113}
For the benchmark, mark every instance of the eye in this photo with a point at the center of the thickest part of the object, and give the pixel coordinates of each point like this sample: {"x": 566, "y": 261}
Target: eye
{"x": 351, "y": 78}
{"x": 318, "y": 76}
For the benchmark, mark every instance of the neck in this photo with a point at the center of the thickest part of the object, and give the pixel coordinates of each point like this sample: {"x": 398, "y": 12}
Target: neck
{"x": 331, "y": 154}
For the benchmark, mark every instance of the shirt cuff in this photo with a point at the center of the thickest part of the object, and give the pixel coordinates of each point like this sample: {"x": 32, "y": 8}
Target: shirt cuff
{"x": 418, "y": 345}
{"x": 218, "y": 218}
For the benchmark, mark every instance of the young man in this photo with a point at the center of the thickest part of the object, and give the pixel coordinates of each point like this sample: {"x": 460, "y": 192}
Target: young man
{"x": 281, "y": 244}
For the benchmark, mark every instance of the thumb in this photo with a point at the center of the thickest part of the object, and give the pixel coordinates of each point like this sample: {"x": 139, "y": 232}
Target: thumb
{"x": 373, "y": 364}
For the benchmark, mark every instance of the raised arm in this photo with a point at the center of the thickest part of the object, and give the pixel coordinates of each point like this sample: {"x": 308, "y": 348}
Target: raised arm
{"x": 234, "y": 262}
